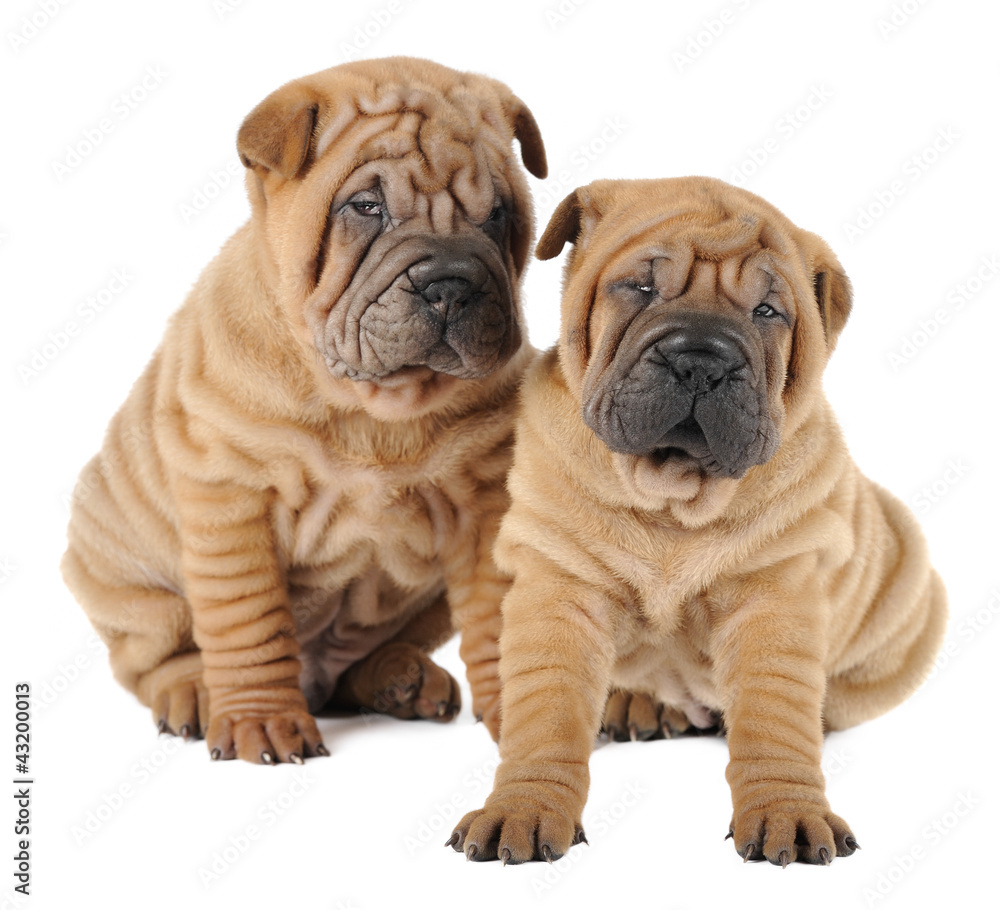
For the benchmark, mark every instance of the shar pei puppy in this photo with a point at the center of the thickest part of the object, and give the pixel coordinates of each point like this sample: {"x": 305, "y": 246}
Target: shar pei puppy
{"x": 688, "y": 531}
{"x": 298, "y": 500}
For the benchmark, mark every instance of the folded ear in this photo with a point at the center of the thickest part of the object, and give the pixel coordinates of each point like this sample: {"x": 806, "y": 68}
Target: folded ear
{"x": 278, "y": 133}
{"x": 573, "y": 219}
{"x": 563, "y": 228}
{"x": 529, "y": 136}
{"x": 832, "y": 289}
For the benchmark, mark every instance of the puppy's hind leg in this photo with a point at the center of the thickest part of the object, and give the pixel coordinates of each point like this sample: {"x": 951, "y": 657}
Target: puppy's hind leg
{"x": 178, "y": 696}
{"x": 149, "y": 638}
{"x": 400, "y": 679}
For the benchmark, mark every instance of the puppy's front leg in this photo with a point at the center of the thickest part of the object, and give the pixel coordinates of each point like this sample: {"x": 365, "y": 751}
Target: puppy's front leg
{"x": 556, "y": 654}
{"x": 769, "y": 665}
{"x": 243, "y": 626}
{"x": 476, "y": 589}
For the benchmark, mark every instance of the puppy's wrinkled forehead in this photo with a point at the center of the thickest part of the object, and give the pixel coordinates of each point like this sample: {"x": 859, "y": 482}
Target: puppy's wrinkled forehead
{"x": 454, "y": 142}
{"x": 709, "y": 253}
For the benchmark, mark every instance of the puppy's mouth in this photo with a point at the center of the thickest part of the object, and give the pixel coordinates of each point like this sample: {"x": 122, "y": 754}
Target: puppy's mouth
{"x": 686, "y": 448}
{"x": 396, "y": 379}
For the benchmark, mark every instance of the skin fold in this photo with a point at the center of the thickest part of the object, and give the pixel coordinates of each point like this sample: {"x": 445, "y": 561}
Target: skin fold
{"x": 298, "y": 500}
{"x": 735, "y": 571}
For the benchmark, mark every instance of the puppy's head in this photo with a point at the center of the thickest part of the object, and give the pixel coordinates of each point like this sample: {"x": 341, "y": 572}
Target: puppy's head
{"x": 395, "y": 224}
{"x": 696, "y": 323}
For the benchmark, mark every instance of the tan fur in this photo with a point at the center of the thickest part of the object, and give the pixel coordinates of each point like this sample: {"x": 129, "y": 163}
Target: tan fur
{"x": 797, "y": 598}
{"x": 253, "y": 520}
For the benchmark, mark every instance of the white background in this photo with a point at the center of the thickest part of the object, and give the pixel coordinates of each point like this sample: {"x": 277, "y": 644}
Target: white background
{"x": 614, "y": 98}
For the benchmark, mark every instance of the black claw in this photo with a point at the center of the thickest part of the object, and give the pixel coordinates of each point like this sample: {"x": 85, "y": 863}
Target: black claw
{"x": 296, "y": 759}
{"x": 729, "y": 835}
{"x": 322, "y": 750}
{"x": 749, "y": 852}
{"x": 852, "y": 843}
{"x": 185, "y": 731}
{"x": 824, "y": 856}
{"x": 547, "y": 853}
{"x": 161, "y": 726}
{"x": 665, "y": 730}
{"x": 581, "y": 837}
{"x": 504, "y": 856}
{"x": 479, "y": 718}
{"x": 216, "y": 754}
{"x": 613, "y": 734}
{"x": 452, "y": 840}
{"x": 470, "y": 854}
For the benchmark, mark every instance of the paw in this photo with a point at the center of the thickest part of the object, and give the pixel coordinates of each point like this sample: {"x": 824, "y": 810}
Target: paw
{"x": 515, "y": 831}
{"x": 787, "y": 834}
{"x": 407, "y": 684}
{"x": 286, "y": 736}
{"x": 637, "y": 716}
{"x": 181, "y": 708}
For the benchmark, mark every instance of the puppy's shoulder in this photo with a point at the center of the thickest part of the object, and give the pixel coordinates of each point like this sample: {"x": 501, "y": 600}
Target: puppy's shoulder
{"x": 548, "y": 408}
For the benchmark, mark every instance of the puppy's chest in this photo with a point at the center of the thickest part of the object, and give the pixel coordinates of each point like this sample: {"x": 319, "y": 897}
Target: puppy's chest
{"x": 335, "y": 530}
{"x": 664, "y": 573}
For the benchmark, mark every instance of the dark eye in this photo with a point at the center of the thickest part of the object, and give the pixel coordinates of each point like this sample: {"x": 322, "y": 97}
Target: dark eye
{"x": 645, "y": 288}
{"x": 367, "y": 206}
{"x": 766, "y": 310}
{"x": 496, "y": 223}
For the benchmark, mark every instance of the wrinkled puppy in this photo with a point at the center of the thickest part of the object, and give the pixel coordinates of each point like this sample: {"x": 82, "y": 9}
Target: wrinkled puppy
{"x": 300, "y": 495}
{"x": 687, "y": 525}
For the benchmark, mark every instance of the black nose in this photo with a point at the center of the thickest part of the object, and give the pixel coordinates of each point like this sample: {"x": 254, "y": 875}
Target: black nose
{"x": 448, "y": 294}
{"x": 448, "y": 283}
{"x": 700, "y": 360}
